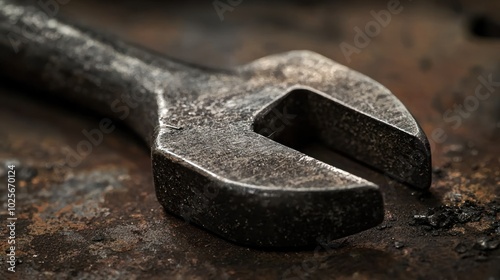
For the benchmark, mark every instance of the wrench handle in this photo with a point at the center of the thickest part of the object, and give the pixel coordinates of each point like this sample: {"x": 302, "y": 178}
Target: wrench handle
{"x": 109, "y": 76}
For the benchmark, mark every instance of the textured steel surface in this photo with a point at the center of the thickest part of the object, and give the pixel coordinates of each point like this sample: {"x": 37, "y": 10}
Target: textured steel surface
{"x": 204, "y": 125}
{"x": 101, "y": 218}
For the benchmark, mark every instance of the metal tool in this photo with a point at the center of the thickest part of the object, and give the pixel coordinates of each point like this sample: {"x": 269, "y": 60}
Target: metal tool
{"x": 220, "y": 138}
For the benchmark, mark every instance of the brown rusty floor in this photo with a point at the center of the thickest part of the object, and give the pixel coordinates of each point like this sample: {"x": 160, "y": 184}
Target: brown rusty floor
{"x": 101, "y": 218}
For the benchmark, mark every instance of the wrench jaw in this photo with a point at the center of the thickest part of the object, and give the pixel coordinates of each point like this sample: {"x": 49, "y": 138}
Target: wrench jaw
{"x": 256, "y": 192}
{"x": 346, "y": 111}
{"x": 305, "y": 115}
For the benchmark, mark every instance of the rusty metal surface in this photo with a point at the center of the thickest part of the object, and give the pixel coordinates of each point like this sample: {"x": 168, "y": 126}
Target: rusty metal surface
{"x": 101, "y": 218}
{"x": 201, "y": 123}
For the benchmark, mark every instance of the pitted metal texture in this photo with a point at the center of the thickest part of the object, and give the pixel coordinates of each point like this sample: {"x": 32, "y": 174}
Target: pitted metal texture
{"x": 205, "y": 127}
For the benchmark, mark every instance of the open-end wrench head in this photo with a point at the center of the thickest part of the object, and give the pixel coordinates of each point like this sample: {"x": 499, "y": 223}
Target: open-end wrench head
{"x": 220, "y": 171}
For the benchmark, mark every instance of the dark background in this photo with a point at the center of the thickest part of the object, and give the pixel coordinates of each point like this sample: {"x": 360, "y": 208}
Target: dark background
{"x": 102, "y": 218}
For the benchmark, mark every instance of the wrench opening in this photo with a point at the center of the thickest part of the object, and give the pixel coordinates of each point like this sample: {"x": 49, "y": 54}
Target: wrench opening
{"x": 304, "y": 117}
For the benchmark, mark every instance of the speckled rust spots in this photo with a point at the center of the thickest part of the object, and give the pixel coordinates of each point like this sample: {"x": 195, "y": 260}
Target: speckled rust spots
{"x": 41, "y": 223}
{"x": 481, "y": 184}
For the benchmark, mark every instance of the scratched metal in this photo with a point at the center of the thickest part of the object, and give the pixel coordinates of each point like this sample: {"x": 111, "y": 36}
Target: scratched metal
{"x": 203, "y": 128}
{"x": 110, "y": 218}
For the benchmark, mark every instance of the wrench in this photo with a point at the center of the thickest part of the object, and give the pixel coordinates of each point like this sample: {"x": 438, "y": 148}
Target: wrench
{"x": 222, "y": 141}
